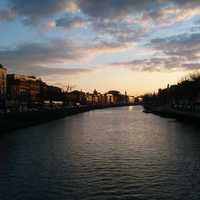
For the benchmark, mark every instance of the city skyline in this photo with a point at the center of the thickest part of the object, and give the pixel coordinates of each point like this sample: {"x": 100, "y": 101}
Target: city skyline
{"x": 137, "y": 46}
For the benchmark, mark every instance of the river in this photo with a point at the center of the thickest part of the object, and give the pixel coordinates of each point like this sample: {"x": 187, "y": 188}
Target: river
{"x": 115, "y": 153}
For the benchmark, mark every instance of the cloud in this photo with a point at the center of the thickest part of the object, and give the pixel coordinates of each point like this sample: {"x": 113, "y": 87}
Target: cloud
{"x": 7, "y": 15}
{"x": 95, "y": 8}
{"x": 101, "y": 47}
{"x": 185, "y": 45}
{"x": 35, "y": 58}
{"x": 175, "y": 53}
{"x": 186, "y": 3}
{"x": 37, "y": 9}
{"x": 121, "y": 31}
{"x": 192, "y": 66}
{"x": 38, "y": 56}
{"x": 159, "y": 64}
{"x": 103, "y": 13}
{"x": 54, "y": 51}
{"x": 152, "y": 64}
{"x": 129, "y": 20}
{"x": 116, "y": 24}
{"x": 115, "y": 8}
{"x": 69, "y": 22}
{"x": 161, "y": 11}
{"x": 47, "y": 71}
{"x": 170, "y": 15}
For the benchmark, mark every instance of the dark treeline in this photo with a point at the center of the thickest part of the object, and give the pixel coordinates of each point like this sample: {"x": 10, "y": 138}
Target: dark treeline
{"x": 185, "y": 95}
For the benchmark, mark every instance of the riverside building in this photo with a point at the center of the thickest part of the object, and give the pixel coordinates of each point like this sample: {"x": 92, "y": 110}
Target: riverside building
{"x": 23, "y": 91}
{"x": 3, "y": 73}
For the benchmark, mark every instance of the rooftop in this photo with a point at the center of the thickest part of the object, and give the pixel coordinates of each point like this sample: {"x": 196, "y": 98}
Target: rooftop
{"x": 22, "y": 77}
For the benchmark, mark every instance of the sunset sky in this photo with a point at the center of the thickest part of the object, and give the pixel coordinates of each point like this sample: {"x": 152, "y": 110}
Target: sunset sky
{"x": 133, "y": 45}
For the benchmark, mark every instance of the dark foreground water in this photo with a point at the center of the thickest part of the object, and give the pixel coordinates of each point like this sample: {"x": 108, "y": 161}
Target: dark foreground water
{"x": 118, "y": 153}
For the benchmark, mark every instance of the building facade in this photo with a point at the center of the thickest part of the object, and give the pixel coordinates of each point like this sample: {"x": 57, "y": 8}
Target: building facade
{"x": 131, "y": 100}
{"x": 22, "y": 90}
{"x": 50, "y": 93}
{"x": 3, "y": 73}
{"x": 77, "y": 97}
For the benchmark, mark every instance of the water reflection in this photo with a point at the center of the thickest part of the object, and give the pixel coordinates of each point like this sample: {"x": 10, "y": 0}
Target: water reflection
{"x": 130, "y": 108}
{"x": 119, "y": 153}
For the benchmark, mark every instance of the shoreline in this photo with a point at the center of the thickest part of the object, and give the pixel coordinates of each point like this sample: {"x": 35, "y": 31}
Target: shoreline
{"x": 166, "y": 111}
{"x": 15, "y": 121}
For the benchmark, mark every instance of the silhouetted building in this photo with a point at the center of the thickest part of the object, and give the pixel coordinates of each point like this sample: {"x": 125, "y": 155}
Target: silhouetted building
{"x": 98, "y": 98}
{"x": 77, "y": 97}
{"x": 3, "y": 72}
{"x": 115, "y": 97}
{"x": 197, "y": 102}
{"x": 50, "y": 93}
{"x": 89, "y": 98}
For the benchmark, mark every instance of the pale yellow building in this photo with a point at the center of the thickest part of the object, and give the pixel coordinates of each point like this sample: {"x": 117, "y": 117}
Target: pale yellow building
{"x": 3, "y": 73}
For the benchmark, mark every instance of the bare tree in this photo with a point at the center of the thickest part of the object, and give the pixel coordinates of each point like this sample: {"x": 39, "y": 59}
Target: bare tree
{"x": 68, "y": 88}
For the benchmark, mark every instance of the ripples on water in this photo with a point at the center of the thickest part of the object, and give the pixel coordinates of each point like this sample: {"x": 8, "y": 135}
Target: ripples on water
{"x": 118, "y": 153}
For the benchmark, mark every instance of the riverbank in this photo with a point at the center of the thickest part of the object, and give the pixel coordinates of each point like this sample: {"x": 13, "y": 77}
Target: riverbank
{"x": 13, "y": 121}
{"x": 167, "y": 111}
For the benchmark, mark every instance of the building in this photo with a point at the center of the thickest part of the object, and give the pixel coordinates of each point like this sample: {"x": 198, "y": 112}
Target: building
{"x": 3, "y": 73}
{"x": 23, "y": 91}
{"x": 131, "y": 100}
{"x": 97, "y": 97}
{"x": 89, "y": 98}
{"x": 115, "y": 97}
{"x": 50, "y": 93}
{"x": 102, "y": 99}
{"x": 110, "y": 99}
{"x": 77, "y": 97}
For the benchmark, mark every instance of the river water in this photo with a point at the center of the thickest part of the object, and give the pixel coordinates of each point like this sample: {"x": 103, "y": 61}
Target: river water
{"x": 116, "y": 153}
